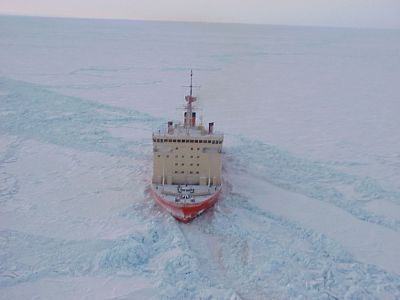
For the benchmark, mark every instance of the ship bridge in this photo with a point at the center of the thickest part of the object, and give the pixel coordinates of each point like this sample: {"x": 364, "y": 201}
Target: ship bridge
{"x": 184, "y": 156}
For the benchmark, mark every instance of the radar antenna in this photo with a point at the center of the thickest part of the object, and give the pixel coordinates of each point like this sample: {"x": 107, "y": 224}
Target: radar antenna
{"x": 190, "y": 115}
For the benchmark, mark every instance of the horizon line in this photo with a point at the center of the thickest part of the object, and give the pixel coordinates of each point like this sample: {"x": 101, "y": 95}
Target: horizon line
{"x": 194, "y": 22}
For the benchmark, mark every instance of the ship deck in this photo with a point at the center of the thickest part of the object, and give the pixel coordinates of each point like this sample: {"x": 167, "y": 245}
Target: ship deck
{"x": 179, "y": 130}
{"x": 185, "y": 194}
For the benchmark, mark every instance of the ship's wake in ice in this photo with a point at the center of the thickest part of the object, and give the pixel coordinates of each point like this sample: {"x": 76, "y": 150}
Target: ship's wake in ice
{"x": 280, "y": 230}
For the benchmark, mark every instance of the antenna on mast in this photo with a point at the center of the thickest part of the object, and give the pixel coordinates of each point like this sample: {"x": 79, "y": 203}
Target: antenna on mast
{"x": 191, "y": 85}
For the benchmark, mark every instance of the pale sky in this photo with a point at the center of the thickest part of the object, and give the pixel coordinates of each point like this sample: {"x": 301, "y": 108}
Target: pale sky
{"x": 347, "y": 13}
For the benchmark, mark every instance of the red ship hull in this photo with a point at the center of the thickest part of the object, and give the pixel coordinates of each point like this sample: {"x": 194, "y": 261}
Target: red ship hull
{"x": 185, "y": 212}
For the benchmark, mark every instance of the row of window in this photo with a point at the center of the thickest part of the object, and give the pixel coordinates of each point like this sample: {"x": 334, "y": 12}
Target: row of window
{"x": 177, "y": 156}
{"x": 183, "y": 172}
{"x": 186, "y": 141}
{"x": 176, "y": 148}
{"x": 182, "y": 164}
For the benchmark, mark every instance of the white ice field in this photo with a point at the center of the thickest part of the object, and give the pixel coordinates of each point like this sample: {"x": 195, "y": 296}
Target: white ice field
{"x": 311, "y": 202}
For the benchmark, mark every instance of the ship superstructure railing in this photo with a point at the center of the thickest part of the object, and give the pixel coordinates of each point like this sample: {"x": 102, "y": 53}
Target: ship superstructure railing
{"x": 161, "y": 137}
{"x": 194, "y": 132}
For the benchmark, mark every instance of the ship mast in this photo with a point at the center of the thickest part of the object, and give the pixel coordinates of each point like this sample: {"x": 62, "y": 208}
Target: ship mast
{"x": 190, "y": 116}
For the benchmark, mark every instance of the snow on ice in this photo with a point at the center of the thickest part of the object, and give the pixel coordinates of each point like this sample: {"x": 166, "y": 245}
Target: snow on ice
{"x": 311, "y": 200}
